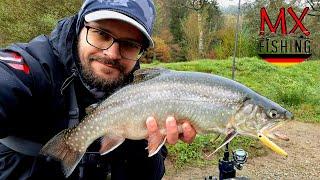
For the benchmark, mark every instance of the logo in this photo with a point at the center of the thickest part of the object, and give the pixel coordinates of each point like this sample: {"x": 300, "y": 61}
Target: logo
{"x": 284, "y": 49}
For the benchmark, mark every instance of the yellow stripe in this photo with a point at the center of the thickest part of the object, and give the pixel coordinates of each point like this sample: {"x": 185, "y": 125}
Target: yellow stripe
{"x": 284, "y": 64}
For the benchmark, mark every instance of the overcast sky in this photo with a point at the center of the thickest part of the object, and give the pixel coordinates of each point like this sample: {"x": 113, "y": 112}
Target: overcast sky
{"x": 226, "y": 3}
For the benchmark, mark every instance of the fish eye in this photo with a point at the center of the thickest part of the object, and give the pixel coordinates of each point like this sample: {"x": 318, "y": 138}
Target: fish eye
{"x": 273, "y": 113}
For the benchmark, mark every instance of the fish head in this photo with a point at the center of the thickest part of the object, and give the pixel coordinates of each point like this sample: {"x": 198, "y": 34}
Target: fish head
{"x": 260, "y": 115}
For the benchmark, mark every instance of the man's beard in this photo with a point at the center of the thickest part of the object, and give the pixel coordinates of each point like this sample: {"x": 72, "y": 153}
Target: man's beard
{"x": 100, "y": 83}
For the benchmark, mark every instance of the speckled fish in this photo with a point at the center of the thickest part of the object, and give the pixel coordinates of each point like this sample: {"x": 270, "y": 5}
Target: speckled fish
{"x": 212, "y": 104}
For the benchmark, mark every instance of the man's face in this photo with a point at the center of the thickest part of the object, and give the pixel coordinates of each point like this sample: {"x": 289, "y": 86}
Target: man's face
{"x": 107, "y": 69}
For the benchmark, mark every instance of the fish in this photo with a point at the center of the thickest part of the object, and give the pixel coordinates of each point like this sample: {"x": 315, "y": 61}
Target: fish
{"x": 210, "y": 103}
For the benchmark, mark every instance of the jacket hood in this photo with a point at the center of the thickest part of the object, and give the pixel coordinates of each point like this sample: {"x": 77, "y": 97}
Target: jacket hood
{"x": 63, "y": 40}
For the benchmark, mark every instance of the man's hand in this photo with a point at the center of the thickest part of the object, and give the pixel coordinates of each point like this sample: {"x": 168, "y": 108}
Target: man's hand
{"x": 187, "y": 135}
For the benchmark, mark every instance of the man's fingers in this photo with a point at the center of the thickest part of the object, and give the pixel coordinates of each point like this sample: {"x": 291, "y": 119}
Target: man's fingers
{"x": 189, "y": 133}
{"x": 151, "y": 125}
{"x": 172, "y": 130}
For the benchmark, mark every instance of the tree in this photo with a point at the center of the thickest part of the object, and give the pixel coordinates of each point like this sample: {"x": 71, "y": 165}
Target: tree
{"x": 315, "y": 6}
{"x": 207, "y": 12}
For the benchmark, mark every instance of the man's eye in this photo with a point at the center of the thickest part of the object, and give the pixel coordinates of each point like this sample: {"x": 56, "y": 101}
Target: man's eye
{"x": 96, "y": 31}
{"x": 130, "y": 44}
{"x": 103, "y": 35}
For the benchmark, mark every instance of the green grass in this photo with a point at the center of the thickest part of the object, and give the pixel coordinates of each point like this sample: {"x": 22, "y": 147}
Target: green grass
{"x": 197, "y": 153}
{"x": 296, "y": 88}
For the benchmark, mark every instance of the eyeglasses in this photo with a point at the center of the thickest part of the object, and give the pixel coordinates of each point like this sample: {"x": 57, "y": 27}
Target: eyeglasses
{"x": 103, "y": 40}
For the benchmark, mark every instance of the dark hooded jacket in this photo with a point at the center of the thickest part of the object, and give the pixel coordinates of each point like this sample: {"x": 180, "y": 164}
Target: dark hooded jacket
{"x": 35, "y": 105}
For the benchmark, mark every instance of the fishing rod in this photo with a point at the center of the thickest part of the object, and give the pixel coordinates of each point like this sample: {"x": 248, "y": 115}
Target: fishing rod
{"x": 236, "y": 42}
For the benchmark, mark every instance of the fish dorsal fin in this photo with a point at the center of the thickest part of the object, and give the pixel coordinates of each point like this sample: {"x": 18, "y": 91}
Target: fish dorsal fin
{"x": 148, "y": 73}
{"x": 91, "y": 108}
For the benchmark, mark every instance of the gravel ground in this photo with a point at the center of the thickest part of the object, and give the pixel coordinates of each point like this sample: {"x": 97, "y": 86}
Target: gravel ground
{"x": 303, "y": 161}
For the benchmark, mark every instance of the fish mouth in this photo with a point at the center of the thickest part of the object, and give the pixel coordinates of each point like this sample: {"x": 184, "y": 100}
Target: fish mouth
{"x": 269, "y": 131}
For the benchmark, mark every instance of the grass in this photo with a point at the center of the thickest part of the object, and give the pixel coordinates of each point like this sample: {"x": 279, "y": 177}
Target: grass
{"x": 296, "y": 88}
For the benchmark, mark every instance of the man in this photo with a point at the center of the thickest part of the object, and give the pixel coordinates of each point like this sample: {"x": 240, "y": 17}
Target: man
{"x": 47, "y": 84}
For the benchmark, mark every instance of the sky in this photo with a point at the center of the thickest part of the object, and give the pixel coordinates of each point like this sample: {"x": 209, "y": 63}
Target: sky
{"x": 226, "y": 3}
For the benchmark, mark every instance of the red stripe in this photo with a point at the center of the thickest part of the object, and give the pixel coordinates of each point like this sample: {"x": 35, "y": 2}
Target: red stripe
{"x": 16, "y": 57}
{"x": 21, "y": 67}
{"x": 284, "y": 60}
{"x": 26, "y": 69}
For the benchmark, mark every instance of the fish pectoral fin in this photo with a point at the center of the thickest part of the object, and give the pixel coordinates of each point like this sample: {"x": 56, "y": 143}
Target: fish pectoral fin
{"x": 58, "y": 149}
{"x": 155, "y": 142}
{"x": 226, "y": 140}
{"x": 109, "y": 143}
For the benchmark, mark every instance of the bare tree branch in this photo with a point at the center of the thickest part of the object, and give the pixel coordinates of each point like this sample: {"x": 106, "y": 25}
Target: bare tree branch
{"x": 314, "y": 6}
{"x": 190, "y": 4}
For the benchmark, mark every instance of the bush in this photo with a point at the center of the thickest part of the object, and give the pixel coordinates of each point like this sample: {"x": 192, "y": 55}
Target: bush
{"x": 161, "y": 51}
{"x": 225, "y": 49}
{"x": 177, "y": 53}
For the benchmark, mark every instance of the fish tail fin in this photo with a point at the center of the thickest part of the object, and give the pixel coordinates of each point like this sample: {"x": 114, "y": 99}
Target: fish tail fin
{"x": 58, "y": 149}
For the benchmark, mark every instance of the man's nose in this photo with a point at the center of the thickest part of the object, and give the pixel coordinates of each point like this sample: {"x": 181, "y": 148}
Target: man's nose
{"x": 113, "y": 52}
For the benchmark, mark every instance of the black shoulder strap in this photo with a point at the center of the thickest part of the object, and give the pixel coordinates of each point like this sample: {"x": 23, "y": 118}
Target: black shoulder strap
{"x": 72, "y": 99}
{"x": 73, "y": 107}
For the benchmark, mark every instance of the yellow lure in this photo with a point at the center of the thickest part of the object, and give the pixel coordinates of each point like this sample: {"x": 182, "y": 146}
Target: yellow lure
{"x": 271, "y": 145}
